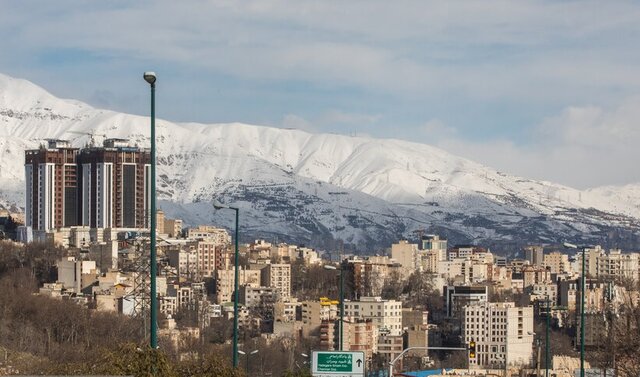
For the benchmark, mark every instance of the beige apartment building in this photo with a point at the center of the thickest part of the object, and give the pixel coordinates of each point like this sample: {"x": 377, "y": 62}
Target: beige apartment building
{"x": 225, "y": 282}
{"x": 557, "y": 262}
{"x": 210, "y": 233}
{"x": 278, "y": 276}
{"x": 315, "y": 312}
{"x": 407, "y": 255}
{"x": 385, "y": 314}
{"x": 502, "y": 332}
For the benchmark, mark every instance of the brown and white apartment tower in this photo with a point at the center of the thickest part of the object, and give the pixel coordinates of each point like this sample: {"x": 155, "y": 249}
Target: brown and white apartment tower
{"x": 98, "y": 187}
{"x": 51, "y": 186}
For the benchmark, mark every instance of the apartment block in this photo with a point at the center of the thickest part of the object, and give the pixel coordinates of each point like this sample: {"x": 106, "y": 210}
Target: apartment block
{"x": 225, "y": 282}
{"x": 210, "y": 256}
{"x": 407, "y": 255}
{"x": 557, "y": 262}
{"x": 534, "y": 254}
{"x": 173, "y": 227}
{"x": 315, "y": 312}
{"x": 502, "y": 332}
{"x": 51, "y": 192}
{"x": 210, "y": 233}
{"x": 367, "y": 275}
{"x": 278, "y": 276}
{"x": 456, "y": 298}
{"x": 386, "y": 314}
{"x": 115, "y": 186}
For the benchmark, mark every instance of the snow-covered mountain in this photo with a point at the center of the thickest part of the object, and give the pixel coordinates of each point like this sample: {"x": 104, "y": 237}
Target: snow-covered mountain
{"x": 302, "y": 187}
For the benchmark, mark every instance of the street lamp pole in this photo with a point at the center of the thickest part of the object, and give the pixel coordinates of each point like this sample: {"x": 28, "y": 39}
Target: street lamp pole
{"x": 341, "y": 306}
{"x": 150, "y": 77}
{"x": 582, "y": 289}
{"x": 546, "y": 347}
{"x": 328, "y": 267}
{"x": 236, "y": 294}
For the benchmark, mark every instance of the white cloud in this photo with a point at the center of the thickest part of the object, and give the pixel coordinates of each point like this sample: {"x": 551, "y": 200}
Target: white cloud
{"x": 342, "y": 117}
{"x": 435, "y": 130}
{"x": 384, "y": 60}
{"x": 297, "y": 122}
{"x": 582, "y": 147}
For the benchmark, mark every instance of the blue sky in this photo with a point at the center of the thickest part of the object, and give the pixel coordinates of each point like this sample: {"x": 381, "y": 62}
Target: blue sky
{"x": 547, "y": 90}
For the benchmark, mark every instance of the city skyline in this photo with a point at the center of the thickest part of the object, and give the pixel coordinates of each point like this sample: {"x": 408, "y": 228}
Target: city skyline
{"x": 543, "y": 90}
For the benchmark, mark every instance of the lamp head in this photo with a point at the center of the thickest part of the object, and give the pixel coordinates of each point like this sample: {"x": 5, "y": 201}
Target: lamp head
{"x": 329, "y": 267}
{"x": 569, "y": 245}
{"x": 254, "y": 352}
{"x": 218, "y": 205}
{"x": 150, "y": 77}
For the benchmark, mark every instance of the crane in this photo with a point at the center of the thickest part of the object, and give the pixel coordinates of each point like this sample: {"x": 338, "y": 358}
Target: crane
{"x": 91, "y": 134}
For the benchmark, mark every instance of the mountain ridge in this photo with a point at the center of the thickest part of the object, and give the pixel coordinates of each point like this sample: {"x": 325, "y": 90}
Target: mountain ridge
{"x": 342, "y": 186}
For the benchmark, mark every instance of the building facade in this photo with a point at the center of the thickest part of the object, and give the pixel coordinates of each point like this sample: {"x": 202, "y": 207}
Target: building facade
{"x": 51, "y": 180}
{"x": 502, "y": 333}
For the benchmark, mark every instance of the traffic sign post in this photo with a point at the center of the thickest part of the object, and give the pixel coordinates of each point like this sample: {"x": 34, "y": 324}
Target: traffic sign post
{"x": 337, "y": 364}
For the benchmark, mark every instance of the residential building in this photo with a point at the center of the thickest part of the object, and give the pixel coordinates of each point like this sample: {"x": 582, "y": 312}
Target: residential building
{"x": 225, "y": 282}
{"x": 502, "y": 333}
{"x": 210, "y": 256}
{"x": 210, "y": 233}
{"x": 173, "y": 227}
{"x": 114, "y": 185}
{"x": 386, "y": 314}
{"x": 51, "y": 192}
{"x": 278, "y": 276}
{"x": 256, "y": 296}
{"x": 535, "y": 255}
{"x": 557, "y": 262}
{"x": 185, "y": 262}
{"x": 367, "y": 275}
{"x": 390, "y": 347}
{"x": 407, "y": 255}
{"x": 315, "y": 312}
{"x": 615, "y": 264}
{"x": 535, "y": 275}
{"x": 456, "y": 298}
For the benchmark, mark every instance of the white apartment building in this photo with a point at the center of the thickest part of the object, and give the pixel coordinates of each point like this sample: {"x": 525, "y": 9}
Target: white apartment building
{"x": 385, "y": 314}
{"x": 225, "y": 282}
{"x": 502, "y": 332}
{"x": 465, "y": 270}
{"x": 278, "y": 276}
{"x": 210, "y": 233}
{"x": 458, "y": 297}
{"x": 185, "y": 262}
{"x": 616, "y": 264}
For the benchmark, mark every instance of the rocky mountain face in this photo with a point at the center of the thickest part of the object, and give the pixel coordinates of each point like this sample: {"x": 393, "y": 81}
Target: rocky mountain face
{"x": 321, "y": 189}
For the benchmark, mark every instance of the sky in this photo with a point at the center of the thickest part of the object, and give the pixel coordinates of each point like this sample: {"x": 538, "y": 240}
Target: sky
{"x": 544, "y": 90}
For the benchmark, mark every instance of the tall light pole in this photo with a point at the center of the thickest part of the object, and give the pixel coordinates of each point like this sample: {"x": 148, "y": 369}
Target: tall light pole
{"x": 329, "y": 267}
{"x": 236, "y": 294}
{"x": 546, "y": 347}
{"x": 150, "y": 77}
{"x": 582, "y": 289}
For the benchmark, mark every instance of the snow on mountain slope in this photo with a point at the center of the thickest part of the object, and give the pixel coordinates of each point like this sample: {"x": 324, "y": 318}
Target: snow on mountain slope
{"x": 295, "y": 184}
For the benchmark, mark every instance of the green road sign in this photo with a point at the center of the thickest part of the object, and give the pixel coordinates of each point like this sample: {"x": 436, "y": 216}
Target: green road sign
{"x": 337, "y": 364}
